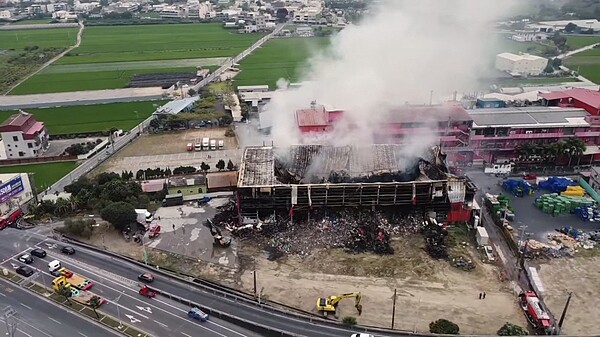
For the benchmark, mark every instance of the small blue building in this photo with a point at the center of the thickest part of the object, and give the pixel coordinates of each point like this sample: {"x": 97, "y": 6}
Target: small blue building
{"x": 486, "y": 103}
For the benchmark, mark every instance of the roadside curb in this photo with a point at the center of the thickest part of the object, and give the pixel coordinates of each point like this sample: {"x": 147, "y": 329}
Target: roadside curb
{"x": 47, "y": 297}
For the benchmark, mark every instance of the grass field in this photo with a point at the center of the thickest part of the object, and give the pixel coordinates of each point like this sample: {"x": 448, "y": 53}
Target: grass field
{"x": 136, "y": 65}
{"x": 55, "y": 37}
{"x": 157, "y": 42}
{"x": 278, "y": 58}
{"x": 576, "y": 42}
{"x": 90, "y": 118}
{"x": 85, "y": 81}
{"x": 31, "y": 22}
{"x": 46, "y": 174}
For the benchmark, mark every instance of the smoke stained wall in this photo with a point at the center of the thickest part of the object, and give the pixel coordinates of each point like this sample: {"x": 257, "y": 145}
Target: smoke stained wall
{"x": 399, "y": 54}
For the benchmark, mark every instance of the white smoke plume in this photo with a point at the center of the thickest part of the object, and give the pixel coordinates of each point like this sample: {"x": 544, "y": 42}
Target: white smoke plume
{"x": 401, "y": 53}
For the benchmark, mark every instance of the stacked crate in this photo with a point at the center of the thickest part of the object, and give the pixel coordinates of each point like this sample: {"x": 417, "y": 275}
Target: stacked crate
{"x": 556, "y": 204}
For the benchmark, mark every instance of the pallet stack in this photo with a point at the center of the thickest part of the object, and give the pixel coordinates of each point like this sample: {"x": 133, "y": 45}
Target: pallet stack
{"x": 556, "y": 204}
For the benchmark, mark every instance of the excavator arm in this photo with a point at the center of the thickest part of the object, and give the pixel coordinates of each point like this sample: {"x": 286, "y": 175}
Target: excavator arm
{"x": 330, "y": 303}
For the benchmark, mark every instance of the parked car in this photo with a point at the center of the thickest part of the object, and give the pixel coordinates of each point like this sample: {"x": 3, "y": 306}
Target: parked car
{"x": 489, "y": 253}
{"x": 25, "y": 271}
{"x": 146, "y": 277}
{"x": 25, "y": 258}
{"x": 68, "y": 250}
{"x": 39, "y": 253}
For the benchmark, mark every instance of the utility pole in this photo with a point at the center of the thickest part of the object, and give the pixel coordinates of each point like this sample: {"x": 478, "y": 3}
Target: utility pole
{"x": 119, "y": 311}
{"x": 9, "y": 314}
{"x": 394, "y": 308}
{"x": 254, "y": 276}
{"x": 564, "y": 313}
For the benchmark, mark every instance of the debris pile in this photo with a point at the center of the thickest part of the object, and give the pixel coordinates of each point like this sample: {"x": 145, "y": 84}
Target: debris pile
{"x": 352, "y": 229}
{"x": 463, "y": 263}
{"x": 436, "y": 240}
{"x": 564, "y": 242}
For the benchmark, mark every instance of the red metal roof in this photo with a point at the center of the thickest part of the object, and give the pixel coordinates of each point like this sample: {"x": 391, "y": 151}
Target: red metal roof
{"x": 16, "y": 122}
{"x": 312, "y": 117}
{"x": 587, "y": 96}
{"x": 429, "y": 113}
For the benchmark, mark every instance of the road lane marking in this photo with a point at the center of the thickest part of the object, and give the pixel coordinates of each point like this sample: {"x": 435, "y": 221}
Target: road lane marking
{"x": 33, "y": 327}
{"x": 1, "y": 294}
{"x": 26, "y": 306}
{"x": 183, "y": 333}
{"x": 25, "y": 333}
{"x": 56, "y": 321}
{"x": 159, "y": 323}
{"x": 98, "y": 274}
{"x": 84, "y": 335}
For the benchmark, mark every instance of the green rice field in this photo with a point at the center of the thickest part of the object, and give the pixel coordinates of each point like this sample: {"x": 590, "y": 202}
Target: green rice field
{"x": 45, "y": 175}
{"x": 158, "y": 42}
{"x": 576, "y": 42}
{"x": 92, "y": 118}
{"x": 55, "y": 37}
{"x": 77, "y": 81}
{"x": 279, "y": 58}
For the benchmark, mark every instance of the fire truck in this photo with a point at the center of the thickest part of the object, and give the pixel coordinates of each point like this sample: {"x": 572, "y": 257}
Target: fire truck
{"x": 535, "y": 313}
{"x": 10, "y": 218}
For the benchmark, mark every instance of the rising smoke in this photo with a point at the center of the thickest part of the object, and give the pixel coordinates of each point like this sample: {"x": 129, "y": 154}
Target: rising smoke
{"x": 399, "y": 54}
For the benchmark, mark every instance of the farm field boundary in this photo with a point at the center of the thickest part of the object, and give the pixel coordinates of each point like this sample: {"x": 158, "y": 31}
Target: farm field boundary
{"x": 136, "y": 65}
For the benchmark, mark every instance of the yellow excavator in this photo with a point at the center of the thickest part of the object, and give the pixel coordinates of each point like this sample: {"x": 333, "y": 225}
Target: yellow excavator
{"x": 329, "y": 305}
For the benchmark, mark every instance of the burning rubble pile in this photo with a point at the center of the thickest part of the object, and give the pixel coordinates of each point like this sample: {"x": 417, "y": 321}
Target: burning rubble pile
{"x": 352, "y": 229}
{"x": 436, "y": 240}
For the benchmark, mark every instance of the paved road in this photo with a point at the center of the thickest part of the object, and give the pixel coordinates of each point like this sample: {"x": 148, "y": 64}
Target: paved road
{"x": 113, "y": 276}
{"x": 39, "y": 317}
{"x": 159, "y": 317}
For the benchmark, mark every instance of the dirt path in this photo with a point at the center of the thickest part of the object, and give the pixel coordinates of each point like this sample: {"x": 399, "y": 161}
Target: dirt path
{"x": 45, "y": 65}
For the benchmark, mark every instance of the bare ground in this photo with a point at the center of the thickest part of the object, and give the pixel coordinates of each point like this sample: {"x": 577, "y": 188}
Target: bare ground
{"x": 581, "y": 276}
{"x": 172, "y": 142}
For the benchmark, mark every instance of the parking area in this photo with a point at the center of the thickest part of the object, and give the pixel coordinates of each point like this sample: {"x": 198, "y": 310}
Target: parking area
{"x": 58, "y": 147}
{"x": 183, "y": 232}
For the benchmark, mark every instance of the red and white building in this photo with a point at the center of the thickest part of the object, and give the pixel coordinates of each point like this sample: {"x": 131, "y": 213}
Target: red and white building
{"x": 23, "y": 136}
{"x": 575, "y": 97}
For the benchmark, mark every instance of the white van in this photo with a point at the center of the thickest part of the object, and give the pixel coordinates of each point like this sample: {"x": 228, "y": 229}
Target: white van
{"x": 213, "y": 144}
{"x": 221, "y": 144}
{"x": 54, "y": 267}
{"x": 205, "y": 143}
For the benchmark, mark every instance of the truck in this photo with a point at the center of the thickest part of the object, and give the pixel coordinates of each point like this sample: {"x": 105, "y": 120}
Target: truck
{"x": 213, "y": 144}
{"x": 173, "y": 200}
{"x": 205, "y": 143}
{"x": 143, "y": 216}
{"x": 77, "y": 281}
{"x": 198, "y": 145}
{"x": 190, "y": 147}
{"x": 482, "y": 236}
{"x": 499, "y": 169}
{"x": 80, "y": 296}
{"x": 534, "y": 311}
{"x": 221, "y": 144}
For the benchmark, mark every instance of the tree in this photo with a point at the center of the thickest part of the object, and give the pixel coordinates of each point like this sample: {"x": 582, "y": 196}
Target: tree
{"x": 192, "y": 92}
{"x": 119, "y": 214}
{"x": 205, "y": 167}
{"x": 154, "y": 123}
{"x": 65, "y": 292}
{"x": 571, "y": 27}
{"x": 62, "y": 207}
{"x": 282, "y": 14}
{"x": 444, "y": 326}
{"x": 548, "y": 69}
{"x": 106, "y": 177}
{"x": 349, "y": 320}
{"x": 230, "y": 165}
{"x": 220, "y": 165}
{"x": 509, "y": 329}
{"x": 95, "y": 303}
{"x": 556, "y": 63}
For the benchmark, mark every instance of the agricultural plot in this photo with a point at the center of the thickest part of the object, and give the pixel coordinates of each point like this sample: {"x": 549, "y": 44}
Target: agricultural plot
{"x": 576, "y": 42}
{"x": 19, "y": 39}
{"x": 45, "y": 174}
{"x": 137, "y": 65}
{"x": 77, "y": 81}
{"x": 92, "y": 118}
{"x": 279, "y": 58}
{"x": 586, "y": 64}
{"x": 157, "y": 42}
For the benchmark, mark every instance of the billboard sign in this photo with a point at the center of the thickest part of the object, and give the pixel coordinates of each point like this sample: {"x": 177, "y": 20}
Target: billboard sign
{"x": 11, "y": 188}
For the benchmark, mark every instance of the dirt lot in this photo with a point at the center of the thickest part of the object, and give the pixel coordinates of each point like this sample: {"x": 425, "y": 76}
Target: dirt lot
{"x": 427, "y": 290}
{"x": 581, "y": 276}
{"x": 173, "y": 142}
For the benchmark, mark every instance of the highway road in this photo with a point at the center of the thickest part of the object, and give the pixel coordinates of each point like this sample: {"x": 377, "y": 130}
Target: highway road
{"x": 39, "y": 317}
{"x": 114, "y": 276}
{"x": 158, "y": 316}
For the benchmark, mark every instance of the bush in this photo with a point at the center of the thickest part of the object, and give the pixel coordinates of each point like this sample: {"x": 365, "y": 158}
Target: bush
{"x": 119, "y": 214}
{"x": 444, "y": 326}
{"x": 78, "y": 227}
{"x": 349, "y": 320}
{"x": 509, "y": 329}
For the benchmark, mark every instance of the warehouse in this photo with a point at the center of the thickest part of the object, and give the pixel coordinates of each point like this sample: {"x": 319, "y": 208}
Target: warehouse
{"x": 519, "y": 65}
{"x": 304, "y": 177}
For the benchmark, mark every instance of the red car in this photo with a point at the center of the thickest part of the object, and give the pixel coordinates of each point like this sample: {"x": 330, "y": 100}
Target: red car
{"x": 530, "y": 176}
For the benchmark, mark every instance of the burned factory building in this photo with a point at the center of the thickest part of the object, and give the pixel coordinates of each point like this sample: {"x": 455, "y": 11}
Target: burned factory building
{"x": 306, "y": 177}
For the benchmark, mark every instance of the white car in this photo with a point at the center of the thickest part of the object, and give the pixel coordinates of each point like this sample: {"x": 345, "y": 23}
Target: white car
{"x": 489, "y": 252}
{"x": 362, "y": 335}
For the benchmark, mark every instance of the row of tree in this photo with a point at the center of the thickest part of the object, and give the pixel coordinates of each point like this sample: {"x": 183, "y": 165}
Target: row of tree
{"x": 553, "y": 152}
{"x": 444, "y": 326}
{"x": 165, "y": 173}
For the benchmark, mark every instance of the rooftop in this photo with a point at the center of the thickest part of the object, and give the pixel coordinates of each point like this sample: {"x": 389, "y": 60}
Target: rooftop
{"x": 519, "y": 57}
{"x": 317, "y": 116}
{"x": 590, "y": 97}
{"x": 268, "y": 166}
{"x": 221, "y": 179}
{"x": 176, "y": 106}
{"x": 18, "y": 119}
{"x": 528, "y": 117}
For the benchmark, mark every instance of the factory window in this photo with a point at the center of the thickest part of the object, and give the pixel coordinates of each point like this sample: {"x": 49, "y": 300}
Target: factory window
{"x": 30, "y": 145}
{"x": 16, "y": 138}
{"x": 21, "y": 154}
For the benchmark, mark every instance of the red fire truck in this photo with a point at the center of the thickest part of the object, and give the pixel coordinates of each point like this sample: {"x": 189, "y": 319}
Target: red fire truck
{"x": 535, "y": 313}
{"x": 10, "y": 218}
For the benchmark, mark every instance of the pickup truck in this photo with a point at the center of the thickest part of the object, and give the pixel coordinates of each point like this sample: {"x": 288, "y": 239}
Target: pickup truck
{"x": 77, "y": 281}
